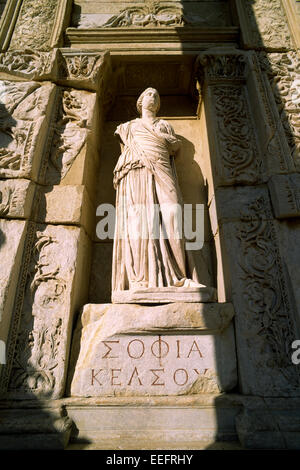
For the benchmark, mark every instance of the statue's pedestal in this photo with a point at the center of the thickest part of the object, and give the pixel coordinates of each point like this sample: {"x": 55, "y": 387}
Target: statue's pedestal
{"x": 135, "y": 350}
{"x": 165, "y": 295}
{"x": 146, "y": 376}
{"x": 178, "y": 422}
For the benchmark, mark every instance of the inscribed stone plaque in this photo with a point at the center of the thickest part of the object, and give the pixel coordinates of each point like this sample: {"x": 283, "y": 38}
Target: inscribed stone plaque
{"x": 151, "y": 358}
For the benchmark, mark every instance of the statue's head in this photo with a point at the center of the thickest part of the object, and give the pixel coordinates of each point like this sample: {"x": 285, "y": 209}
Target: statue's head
{"x": 149, "y": 99}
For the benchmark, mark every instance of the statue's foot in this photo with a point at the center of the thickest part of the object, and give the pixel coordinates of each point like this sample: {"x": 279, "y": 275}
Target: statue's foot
{"x": 188, "y": 283}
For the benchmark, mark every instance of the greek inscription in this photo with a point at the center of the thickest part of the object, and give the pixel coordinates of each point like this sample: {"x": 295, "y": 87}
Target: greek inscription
{"x": 140, "y": 353}
{"x": 157, "y": 377}
{"x": 135, "y": 373}
{"x": 161, "y": 362}
{"x": 178, "y": 348}
{"x": 195, "y": 350}
{"x": 160, "y": 348}
{"x": 183, "y": 377}
{"x": 109, "y": 350}
{"x": 151, "y": 377}
{"x": 114, "y": 377}
{"x": 94, "y": 377}
{"x": 198, "y": 373}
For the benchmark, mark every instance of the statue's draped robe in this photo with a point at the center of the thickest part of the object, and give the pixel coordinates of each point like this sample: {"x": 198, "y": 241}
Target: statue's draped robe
{"x": 148, "y": 251}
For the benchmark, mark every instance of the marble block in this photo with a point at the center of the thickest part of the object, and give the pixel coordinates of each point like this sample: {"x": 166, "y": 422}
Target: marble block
{"x": 138, "y": 350}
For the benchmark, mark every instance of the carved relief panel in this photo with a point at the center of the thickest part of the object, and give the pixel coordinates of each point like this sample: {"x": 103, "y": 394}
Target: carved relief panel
{"x": 255, "y": 274}
{"x": 34, "y": 25}
{"x": 283, "y": 74}
{"x": 71, "y": 122}
{"x": 264, "y": 24}
{"x": 24, "y": 111}
{"x": 236, "y": 158}
{"x": 266, "y": 320}
{"x": 150, "y": 14}
{"x": 40, "y": 330}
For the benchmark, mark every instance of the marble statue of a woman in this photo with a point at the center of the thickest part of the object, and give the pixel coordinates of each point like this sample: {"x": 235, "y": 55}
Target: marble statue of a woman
{"x": 150, "y": 263}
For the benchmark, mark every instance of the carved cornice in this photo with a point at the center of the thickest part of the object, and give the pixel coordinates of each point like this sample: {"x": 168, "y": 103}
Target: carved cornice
{"x": 142, "y": 40}
{"x": 28, "y": 64}
{"x": 81, "y": 69}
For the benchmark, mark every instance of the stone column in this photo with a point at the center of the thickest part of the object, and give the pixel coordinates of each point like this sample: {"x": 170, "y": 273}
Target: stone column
{"x": 50, "y": 127}
{"x": 250, "y": 155}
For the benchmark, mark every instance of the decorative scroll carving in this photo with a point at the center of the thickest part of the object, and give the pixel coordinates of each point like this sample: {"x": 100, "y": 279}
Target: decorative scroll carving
{"x": 82, "y": 66}
{"x": 225, "y": 75}
{"x": 70, "y": 133}
{"x": 27, "y": 64}
{"x": 18, "y": 305}
{"x": 22, "y": 110}
{"x": 37, "y": 347}
{"x": 156, "y": 14}
{"x": 37, "y": 353}
{"x": 43, "y": 274}
{"x": 16, "y": 155}
{"x": 34, "y": 25}
{"x": 153, "y": 14}
{"x": 69, "y": 129}
{"x": 88, "y": 69}
{"x": 267, "y": 314}
{"x": 237, "y": 147}
{"x": 41, "y": 348}
{"x": 283, "y": 71}
{"x": 268, "y": 23}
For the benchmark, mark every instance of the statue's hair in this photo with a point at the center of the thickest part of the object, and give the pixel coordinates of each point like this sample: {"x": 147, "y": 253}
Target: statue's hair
{"x": 140, "y": 100}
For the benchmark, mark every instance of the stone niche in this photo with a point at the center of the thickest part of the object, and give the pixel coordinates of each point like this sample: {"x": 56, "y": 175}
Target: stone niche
{"x": 179, "y": 100}
{"x": 176, "y": 348}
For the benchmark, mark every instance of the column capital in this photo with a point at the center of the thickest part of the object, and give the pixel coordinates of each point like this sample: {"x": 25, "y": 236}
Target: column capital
{"x": 221, "y": 65}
